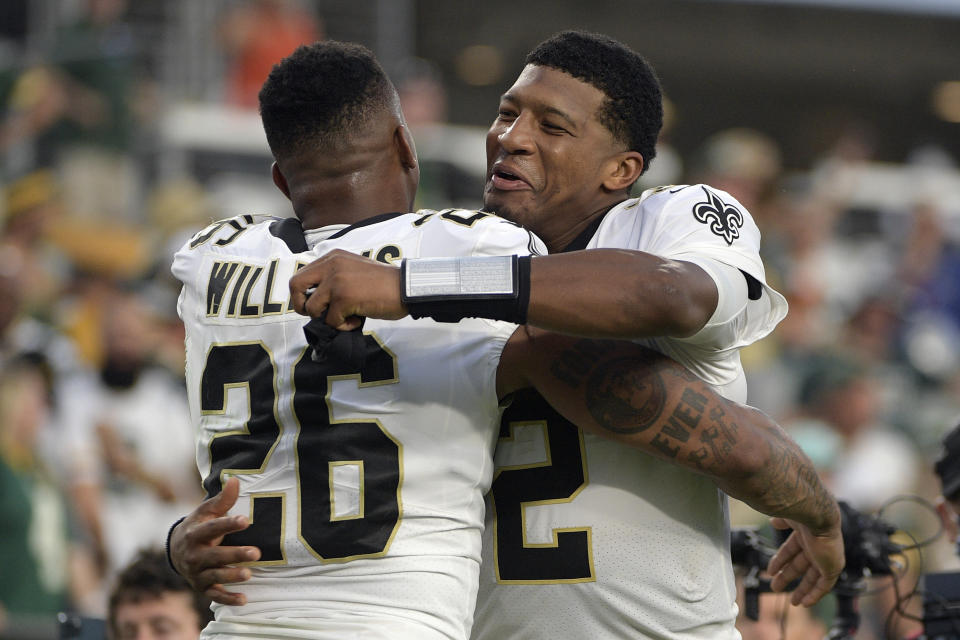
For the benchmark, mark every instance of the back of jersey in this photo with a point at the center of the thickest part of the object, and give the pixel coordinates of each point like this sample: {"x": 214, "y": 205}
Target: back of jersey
{"x": 363, "y": 475}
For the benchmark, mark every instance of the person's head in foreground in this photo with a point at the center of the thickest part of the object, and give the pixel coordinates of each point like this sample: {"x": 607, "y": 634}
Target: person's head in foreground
{"x": 150, "y": 601}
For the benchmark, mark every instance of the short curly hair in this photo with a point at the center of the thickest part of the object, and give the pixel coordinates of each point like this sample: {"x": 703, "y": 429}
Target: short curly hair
{"x": 633, "y": 110}
{"x": 147, "y": 578}
{"x": 320, "y": 94}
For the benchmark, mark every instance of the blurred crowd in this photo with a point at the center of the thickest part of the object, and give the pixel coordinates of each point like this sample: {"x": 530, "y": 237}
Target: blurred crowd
{"x": 96, "y": 446}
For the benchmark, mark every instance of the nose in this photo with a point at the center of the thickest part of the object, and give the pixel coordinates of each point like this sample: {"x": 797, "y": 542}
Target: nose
{"x": 517, "y": 137}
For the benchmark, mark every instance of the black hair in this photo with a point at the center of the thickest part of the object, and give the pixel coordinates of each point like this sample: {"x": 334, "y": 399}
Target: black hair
{"x": 633, "y": 110}
{"x": 148, "y": 577}
{"x": 320, "y": 93}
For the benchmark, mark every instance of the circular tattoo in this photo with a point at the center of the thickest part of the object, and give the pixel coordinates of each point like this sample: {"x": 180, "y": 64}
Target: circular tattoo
{"x": 623, "y": 399}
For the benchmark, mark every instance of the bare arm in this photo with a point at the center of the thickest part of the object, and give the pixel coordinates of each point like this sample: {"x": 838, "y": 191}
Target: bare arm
{"x": 603, "y": 293}
{"x": 644, "y": 400}
{"x": 619, "y": 293}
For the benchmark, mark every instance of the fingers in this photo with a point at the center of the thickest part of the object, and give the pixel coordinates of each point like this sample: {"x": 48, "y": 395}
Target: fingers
{"x": 796, "y": 569}
{"x": 813, "y": 562}
{"x": 303, "y": 285}
{"x": 220, "y": 576}
{"x": 218, "y": 593}
{"x": 812, "y": 587}
{"x": 790, "y": 564}
{"x": 205, "y": 566}
{"x": 298, "y": 295}
{"x": 311, "y": 280}
{"x": 349, "y": 323}
{"x": 812, "y": 584}
{"x": 310, "y": 294}
{"x": 308, "y": 297}
{"x": 322, "y": 298}
{"x": 787, "y": 552}
{"x": 221, "y": 503}
{"x": 211, "y": 531}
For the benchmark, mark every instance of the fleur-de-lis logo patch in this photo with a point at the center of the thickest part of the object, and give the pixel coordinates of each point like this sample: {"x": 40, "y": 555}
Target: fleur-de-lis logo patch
{"x": 724, "y": 219}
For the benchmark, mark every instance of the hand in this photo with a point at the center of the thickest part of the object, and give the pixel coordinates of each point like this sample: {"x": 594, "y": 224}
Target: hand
{"x": 348, "y": 286}
{"x": 196, "y": 552}
{"x": 816, "y": 559}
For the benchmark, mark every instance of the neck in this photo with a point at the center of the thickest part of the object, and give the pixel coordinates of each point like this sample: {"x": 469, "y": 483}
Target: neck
{"x": 346, "y": 199}
{"x": 557, "y": 236}
{"x": 342, "y": 206}
{"x": 352, "y": 178}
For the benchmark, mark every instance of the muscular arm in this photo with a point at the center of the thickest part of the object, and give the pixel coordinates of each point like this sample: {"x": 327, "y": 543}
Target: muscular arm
{"x": 644, "y": 400}
{"x": 619, "y": 293}
{"x": 603, "y": 293}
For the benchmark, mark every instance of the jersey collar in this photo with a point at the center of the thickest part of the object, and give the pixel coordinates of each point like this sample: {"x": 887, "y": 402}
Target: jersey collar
{"x": 581, "y": 241}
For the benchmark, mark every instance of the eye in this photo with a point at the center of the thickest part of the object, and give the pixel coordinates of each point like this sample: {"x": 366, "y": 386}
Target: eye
{"x": 552, "y": 127}
{"x": 506, "y": 114}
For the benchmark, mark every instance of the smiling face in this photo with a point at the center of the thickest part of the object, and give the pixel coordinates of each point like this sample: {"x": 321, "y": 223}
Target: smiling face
{"x": 551, "y": 165}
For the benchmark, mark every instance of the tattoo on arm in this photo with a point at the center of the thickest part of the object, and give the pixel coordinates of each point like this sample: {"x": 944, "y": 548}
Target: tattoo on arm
{"x": 793, "y": 480}
{"x": 664, "y": 409}
{"x": 649, "y": 392}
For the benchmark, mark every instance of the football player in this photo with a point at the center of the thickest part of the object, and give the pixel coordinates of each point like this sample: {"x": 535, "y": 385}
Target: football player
{"x": 599, "y": 540}
{"x": 363, "y": 461}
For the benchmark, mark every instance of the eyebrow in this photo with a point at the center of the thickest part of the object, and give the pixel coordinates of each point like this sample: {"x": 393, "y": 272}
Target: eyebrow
{"x": 546, "y": 108}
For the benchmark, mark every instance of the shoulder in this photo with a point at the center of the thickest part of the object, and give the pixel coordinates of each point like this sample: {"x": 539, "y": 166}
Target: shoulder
{"x": 688, "y": 197}
{"x": 224, "y": 232}
{"x": 467, "y": 232}
{"x": 700, "y": 209}
{"x": 243, "y": 234}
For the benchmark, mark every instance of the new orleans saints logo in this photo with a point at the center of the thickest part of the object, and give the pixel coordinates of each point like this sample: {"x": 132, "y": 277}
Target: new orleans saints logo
{"x": 724, "y": 219}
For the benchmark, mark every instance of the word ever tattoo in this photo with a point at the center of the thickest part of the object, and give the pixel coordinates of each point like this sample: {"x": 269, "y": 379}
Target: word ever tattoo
{"x": 649, "y": 395}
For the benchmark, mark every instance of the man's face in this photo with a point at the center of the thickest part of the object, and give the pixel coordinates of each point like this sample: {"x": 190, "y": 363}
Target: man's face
{"x": 547, "y": 153}
{"x": 169, "y": 617}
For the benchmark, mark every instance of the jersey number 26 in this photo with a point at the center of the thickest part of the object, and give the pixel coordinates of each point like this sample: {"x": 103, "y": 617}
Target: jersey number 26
{"x": 321, "y": 444}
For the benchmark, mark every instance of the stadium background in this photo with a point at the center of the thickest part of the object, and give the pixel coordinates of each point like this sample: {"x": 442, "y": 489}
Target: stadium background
{"x": 126, "y": 126}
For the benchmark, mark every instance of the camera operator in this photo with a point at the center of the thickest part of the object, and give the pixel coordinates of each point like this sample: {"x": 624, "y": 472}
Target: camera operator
{"x": 947, "y": 469}
{"x": 941, "y": 602}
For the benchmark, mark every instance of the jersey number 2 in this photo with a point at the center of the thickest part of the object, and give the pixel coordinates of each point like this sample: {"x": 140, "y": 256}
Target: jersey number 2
{"x": 569, "y": 557}
{"x": 321, "y": 444}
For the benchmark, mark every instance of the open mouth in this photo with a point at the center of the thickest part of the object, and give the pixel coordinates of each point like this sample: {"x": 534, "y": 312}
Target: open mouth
{"x": 507, "y": 181}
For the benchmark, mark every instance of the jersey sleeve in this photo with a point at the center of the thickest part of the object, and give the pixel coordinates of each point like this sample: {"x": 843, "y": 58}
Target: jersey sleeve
{"x": 455, "y": 233}
{"x": 220, "y": 237}
{"x": 697, "y": 222}
{"x": 711, "y": 229}
{"x": 185, "y": 268}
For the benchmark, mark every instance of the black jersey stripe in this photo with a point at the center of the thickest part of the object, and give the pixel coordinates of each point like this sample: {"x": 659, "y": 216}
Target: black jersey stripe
{"x": 365, "y": 223}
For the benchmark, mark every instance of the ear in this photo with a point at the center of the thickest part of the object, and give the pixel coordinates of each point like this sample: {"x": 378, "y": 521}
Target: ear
{"x": 948, "y": 519}
{"x": 406, "y": 149}
{"x": 622, "y": 170}
{"x": 407, "y": 154}
{"x": 280, "y": 180}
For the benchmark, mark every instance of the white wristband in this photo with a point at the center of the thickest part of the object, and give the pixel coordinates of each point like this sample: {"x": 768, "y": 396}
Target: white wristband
{"x": 450, "y": 278}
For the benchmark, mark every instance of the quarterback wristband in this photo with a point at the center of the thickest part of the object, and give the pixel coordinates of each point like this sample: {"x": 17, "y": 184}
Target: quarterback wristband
{"x": 450, "y": 289}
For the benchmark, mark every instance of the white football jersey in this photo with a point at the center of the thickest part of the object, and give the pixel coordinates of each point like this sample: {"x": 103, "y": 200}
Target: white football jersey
{"x": 363, "y": 474}
{"x": 586, "y": 538}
